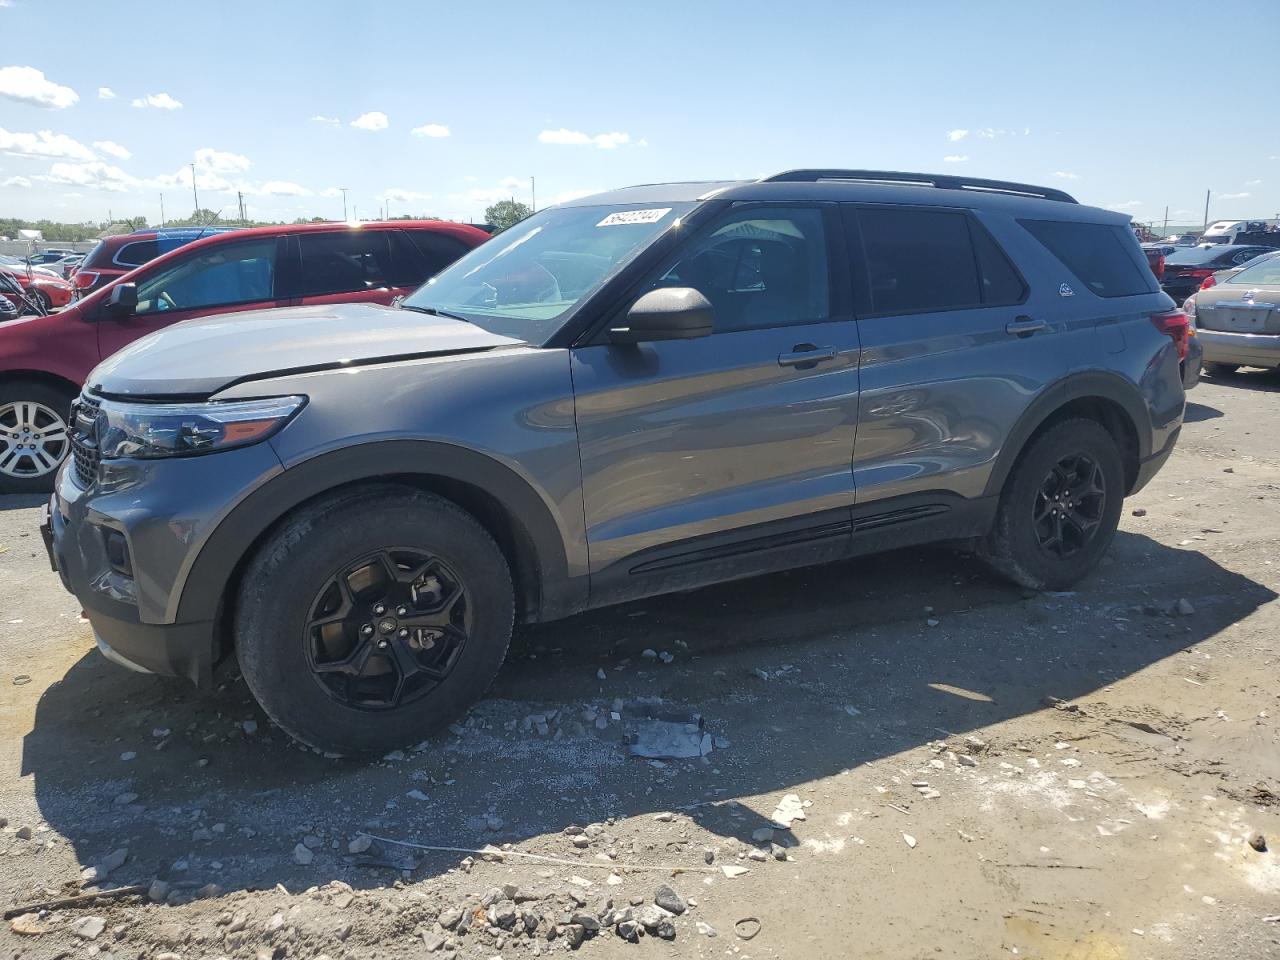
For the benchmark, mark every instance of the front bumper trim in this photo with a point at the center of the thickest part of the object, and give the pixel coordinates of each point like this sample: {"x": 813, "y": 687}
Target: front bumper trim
{"x": 116, "y": 658}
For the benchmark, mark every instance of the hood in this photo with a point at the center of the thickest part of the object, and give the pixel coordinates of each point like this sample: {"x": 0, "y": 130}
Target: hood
{"x": 202, "y": 356}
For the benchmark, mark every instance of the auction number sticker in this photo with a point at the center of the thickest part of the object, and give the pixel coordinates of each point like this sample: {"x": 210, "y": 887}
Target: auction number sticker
{"x": 626, "y": 217}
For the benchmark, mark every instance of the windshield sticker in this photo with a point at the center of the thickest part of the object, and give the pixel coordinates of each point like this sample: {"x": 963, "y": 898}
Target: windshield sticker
{"x": 627, "y": 217}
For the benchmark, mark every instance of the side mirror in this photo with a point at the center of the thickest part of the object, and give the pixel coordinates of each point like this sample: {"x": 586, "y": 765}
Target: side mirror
{"x": 123, "y": 299}
{"x": 668, "y": 313}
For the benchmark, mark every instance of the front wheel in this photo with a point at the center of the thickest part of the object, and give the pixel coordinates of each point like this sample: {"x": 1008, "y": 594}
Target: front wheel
{"x": 1216, "y": 369}
{"x": 372, "y": 618}
{"x": 34, "y": 439}
{"x": 1060, "y": 507}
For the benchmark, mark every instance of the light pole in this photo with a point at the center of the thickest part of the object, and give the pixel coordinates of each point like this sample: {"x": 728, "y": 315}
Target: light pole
{"x": 344, "y": 203}
{"x": 533, "y": 193}
{"x": 162, "y": 209}
{"x": 195, "y": 196}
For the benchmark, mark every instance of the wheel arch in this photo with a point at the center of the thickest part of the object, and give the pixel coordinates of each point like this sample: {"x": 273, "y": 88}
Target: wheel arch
{"x": 1106, "y": 398}
{"x": 43, "y": 377}
{"x": 504, "y": 503}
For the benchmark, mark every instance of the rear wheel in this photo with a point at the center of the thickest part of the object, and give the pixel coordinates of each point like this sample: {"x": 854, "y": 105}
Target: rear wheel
{"x": 1216, "y": 369}
{"x": 41, "y": 298}
{"x": 34, "y": 439}
{"x": 372, "y": 618}
{"x": 1060, "y": 507}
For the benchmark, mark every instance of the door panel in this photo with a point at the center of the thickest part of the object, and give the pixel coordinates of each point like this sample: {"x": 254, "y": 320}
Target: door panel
{"x": 688, "y": 438}
{"x": 957, "y": 350}
{"x": 707, "y": 438}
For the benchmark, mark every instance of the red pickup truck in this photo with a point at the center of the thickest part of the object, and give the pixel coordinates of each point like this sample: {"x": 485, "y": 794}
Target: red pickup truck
{"x": 45, "y": 360}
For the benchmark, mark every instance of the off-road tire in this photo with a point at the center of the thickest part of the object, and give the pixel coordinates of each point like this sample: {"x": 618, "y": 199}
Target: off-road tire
{"x": 1012, "y": 547}
{"x": 282, "y": 580}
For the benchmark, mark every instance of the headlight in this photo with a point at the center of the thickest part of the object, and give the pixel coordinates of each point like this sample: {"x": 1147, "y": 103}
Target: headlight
{"x": 149, "y": 430}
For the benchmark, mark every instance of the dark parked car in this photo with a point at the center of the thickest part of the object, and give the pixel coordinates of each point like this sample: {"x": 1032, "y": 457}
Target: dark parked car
{"x": 633, "y": 393}
{"x": 1186, "y": 270}
{"x": 113, "y": 257}
{"x": 44, "y": 362}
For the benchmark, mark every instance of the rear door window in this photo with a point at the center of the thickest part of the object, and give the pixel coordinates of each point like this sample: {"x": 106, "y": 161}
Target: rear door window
{"x": 349, "y": 261}
{"x": 918, "y": 261}
{"x": 1096, "y": 253}
{"x": 438, "y": 249}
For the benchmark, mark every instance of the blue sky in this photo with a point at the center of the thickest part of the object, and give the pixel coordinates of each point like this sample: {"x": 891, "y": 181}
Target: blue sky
{"x": 443, "y": 108}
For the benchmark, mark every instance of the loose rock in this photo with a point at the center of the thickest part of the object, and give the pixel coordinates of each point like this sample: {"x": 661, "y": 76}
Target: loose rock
{"x": 88, "y": 928}
{"x": 667, "y": 898}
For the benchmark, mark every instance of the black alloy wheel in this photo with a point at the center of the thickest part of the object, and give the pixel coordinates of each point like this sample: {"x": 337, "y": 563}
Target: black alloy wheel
{"x": 1070, "y": 505}
{"x": 387, "y": 628}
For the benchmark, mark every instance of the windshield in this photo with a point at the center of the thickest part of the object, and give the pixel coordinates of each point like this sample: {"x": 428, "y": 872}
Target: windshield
{"x": 1265, "y": 271}
{"x": 525, "y": 280}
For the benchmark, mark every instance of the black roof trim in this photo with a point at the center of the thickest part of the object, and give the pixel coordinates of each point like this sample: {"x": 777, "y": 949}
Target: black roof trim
{"x": 940, "y": 181}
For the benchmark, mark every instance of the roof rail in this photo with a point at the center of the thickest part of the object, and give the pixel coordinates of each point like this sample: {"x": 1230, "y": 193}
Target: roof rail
{"x": 940, "y": 181}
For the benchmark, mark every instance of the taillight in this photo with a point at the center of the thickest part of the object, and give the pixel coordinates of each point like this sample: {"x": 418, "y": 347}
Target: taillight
{"x": 1175, "y": 325}
{"x": 1209, "y": 281}
{"x": 84, "y": 279}
{"x": 1160, "y": 267}
{"x": 1199, "y": 273}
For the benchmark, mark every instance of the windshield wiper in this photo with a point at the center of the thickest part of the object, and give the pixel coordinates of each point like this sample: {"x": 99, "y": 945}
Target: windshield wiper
{"x": 432, "y": 311}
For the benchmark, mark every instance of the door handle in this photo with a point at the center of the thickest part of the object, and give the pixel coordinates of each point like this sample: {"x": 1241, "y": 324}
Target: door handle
{"x": 1025, "y": 327}
{"x": 805, "y": 356}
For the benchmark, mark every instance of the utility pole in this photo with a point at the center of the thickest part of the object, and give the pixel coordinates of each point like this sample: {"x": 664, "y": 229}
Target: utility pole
{"x": 194, "y": 194}
{"x": 533, "y": 191}
{"x": 344, "y": 203}
{"x": 1166, "y": 219}
{"x": 162, "y": 209}
{"x": 1206, "y": 214}
{"x": 240, "y": 198}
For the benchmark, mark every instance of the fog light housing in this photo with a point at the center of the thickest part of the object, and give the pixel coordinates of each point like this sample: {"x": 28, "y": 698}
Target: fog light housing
{"x": 117, "y": 550}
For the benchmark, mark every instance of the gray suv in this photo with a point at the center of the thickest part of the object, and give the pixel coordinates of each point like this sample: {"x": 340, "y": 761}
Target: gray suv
{"x": 635, "y": 393}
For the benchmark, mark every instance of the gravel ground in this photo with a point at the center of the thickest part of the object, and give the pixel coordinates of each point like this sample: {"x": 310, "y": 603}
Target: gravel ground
{"x": 904, "y": 757}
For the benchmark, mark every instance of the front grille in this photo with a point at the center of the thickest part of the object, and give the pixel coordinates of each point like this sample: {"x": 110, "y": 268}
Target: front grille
{"x": 84, "y": 440}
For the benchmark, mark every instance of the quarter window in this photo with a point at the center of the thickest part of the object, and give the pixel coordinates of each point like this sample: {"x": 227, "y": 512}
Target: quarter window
{"x": 223, "y": 275}
{"x": 347, "y": 262}
{"x": 759, "y": 268}
{"x": 1097, "y": 253}
{"x": 137, "y": 253}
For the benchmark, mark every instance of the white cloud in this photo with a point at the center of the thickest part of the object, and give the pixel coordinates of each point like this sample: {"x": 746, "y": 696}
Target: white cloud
{"x": 511, "y": 183}
{"x": 95, "y": 174}
{"x": 400, "y": 195}
{"x": 1252, "y": 183}
{"x": 1066, "y": 175}
{"x": 112, "y": 149}
{"x": 955, "y": 158}
{"x": 566, "y": 137}
{"x": 430, "y": 130}
{"x": 280, "y": 188}
{"x": 22, "y": 182}
{"x": 1233, "y": 196}
{"x": 373, "y": 120}
{"x": 29, "y": 85}
{"x": 1125, "y": 205}
{"x": 205, "y": 180}
{"x": 331, "y": 192}
{"x": 221, "y": 161}
{"x": 161, "y": 101}
{"x": 44, "y": 143}
{"x": 321, "y": 118}
{"x": 106, "y": 93}
{"x": 957, "y": 134}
